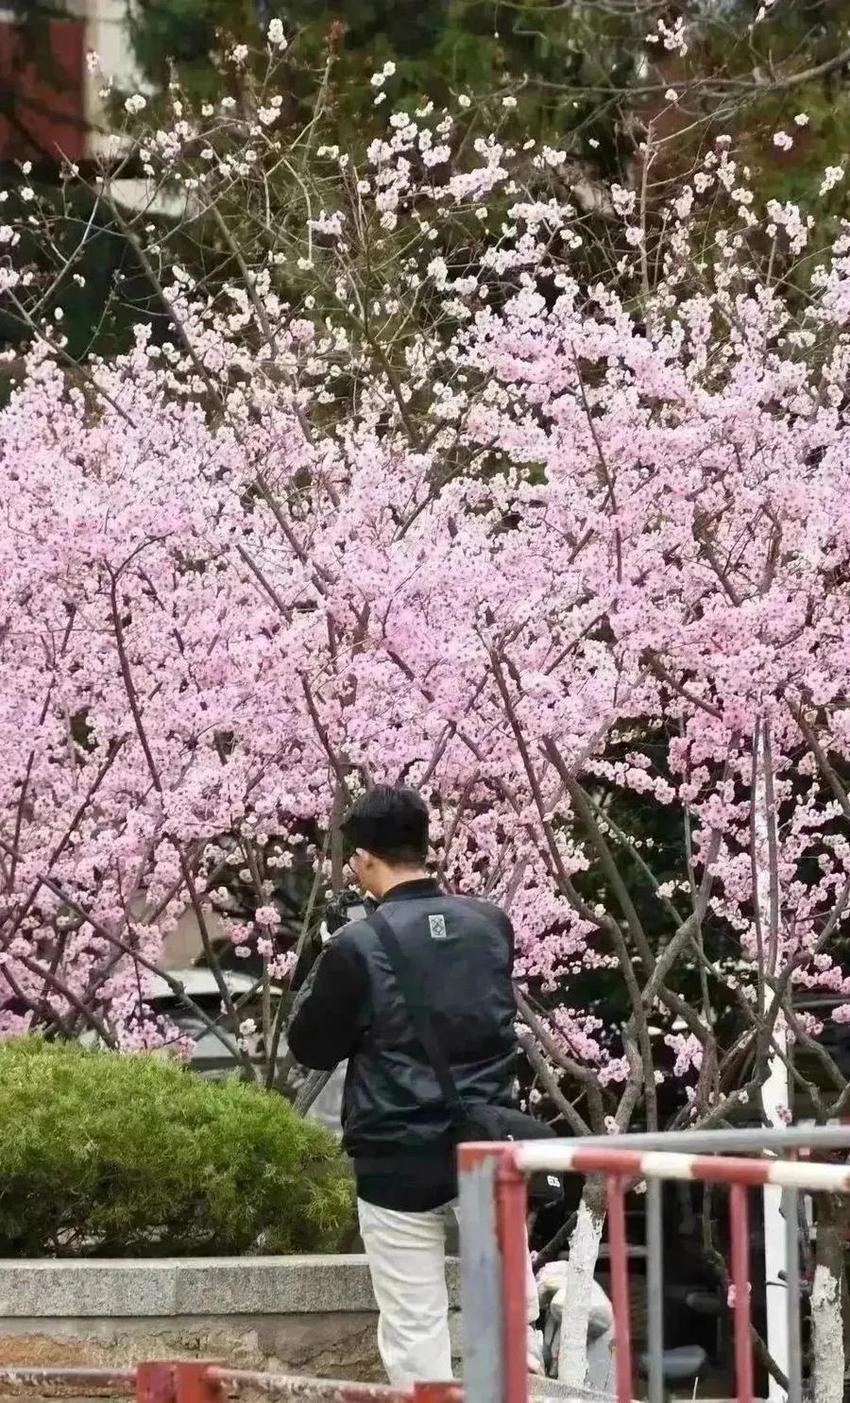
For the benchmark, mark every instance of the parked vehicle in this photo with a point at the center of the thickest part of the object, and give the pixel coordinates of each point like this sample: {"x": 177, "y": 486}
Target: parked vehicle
{"x": 210, "y": 1056}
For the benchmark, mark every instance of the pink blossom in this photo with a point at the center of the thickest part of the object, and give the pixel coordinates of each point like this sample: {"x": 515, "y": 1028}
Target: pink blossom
{"x": 267, "y": 916}
{"x": 227, "y": 578}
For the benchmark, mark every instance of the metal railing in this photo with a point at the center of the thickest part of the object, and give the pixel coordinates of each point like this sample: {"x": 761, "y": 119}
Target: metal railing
{"x": 493, "y": 1241}
{"x": 198, "y": 1381}
{"x": 493, "y": 1257}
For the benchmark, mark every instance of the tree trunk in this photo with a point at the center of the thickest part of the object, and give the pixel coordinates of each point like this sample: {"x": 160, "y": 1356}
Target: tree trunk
{"x": 827, "y": 1290}
{"x": 584, "y": 1252}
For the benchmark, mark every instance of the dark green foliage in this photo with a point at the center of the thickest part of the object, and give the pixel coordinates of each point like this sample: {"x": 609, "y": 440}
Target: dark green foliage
{"x": 441, "y": 48}
{"x": 186, "y": 33}
{"x": 107, "y": 1155}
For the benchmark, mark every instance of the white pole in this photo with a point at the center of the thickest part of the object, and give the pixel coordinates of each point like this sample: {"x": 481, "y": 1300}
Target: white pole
{"x": 775, "y": 1091}
{"x": 775, "y": 1100}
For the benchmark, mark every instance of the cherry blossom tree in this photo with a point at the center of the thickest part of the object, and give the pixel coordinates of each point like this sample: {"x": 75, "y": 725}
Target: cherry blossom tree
{"x": 395, "y": 496}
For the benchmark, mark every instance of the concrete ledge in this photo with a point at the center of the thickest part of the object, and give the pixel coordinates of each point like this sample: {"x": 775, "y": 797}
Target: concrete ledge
{"x": 197, "y": 1286}
{"x": 313, "y": 1315}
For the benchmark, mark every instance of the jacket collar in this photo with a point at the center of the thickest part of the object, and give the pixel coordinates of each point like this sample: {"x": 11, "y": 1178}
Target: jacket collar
{"x": 410, "y": 891}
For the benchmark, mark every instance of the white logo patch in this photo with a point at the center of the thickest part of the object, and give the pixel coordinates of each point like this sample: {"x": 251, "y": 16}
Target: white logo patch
{"x": 437, "y": 927}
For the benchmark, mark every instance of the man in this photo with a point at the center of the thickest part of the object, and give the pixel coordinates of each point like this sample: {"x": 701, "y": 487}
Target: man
{"x": 395, "y": 1123}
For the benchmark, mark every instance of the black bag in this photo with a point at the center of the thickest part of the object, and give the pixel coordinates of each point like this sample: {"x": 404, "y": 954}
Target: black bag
{"x": 470, "y": 1122}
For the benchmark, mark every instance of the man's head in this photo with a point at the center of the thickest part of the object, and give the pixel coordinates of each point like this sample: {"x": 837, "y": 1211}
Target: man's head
{"x": 386, "y": 832}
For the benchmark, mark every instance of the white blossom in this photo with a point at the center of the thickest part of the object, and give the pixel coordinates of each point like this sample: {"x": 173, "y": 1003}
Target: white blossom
{"x": 276, "y": 35}
{"x": 832, "y": 176}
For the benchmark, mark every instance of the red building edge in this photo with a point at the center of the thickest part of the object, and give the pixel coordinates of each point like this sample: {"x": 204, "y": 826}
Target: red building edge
{"x": 43, "y": 92}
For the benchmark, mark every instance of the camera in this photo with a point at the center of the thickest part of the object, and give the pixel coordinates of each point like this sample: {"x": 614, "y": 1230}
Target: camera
{"x": 344, "y": 907}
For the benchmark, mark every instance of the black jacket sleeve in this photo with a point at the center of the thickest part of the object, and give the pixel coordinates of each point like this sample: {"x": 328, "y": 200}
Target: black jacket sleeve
{"x": 504, "y": 923}
{"x": 328, "y": 1014}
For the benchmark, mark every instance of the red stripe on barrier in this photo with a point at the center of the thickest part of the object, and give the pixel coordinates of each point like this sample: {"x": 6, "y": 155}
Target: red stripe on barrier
{"x": 473, "y": 1152}
{"x": 623, "y": 1163}
{"x": 751, "y": 1172}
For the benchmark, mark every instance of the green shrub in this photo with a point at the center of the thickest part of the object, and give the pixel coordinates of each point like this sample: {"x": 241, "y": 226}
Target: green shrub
{"x": 109, "y": 1155}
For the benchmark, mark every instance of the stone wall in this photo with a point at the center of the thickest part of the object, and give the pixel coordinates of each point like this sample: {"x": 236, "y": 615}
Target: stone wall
{"x": 305, "y": 1315}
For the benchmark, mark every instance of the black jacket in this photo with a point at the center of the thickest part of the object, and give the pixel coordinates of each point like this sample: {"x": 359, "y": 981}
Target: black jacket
{"x": 395, "y": 1124}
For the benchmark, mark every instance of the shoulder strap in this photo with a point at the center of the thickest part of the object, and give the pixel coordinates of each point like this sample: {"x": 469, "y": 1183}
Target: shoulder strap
{"x": 410, "y": 991}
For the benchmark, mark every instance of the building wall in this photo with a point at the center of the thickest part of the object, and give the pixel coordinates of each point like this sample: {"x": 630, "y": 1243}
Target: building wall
{"x": 56, "y": 112}
{"x": 108, "y": 37}
{"x": 44, "y": 89}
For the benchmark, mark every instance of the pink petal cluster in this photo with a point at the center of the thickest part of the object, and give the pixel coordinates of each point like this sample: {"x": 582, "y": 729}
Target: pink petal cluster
{"x": 217, "y": 603}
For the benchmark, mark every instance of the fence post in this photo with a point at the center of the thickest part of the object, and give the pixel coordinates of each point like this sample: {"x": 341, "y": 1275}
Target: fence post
{"x": 193, "y": 1382}
{"x": 155, "y": 1382}
{"x": 511, "y": 1213}
{"x": 480, "y": 1275}
{"x": 655, "y": 1286}
{"x": 618, "y": 1244}
{"x": 740, "y": 1254}
{"x": 791, "y": 1210}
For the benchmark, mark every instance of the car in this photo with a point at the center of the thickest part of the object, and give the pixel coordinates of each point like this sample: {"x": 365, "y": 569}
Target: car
{"x": 210, "y": 1056}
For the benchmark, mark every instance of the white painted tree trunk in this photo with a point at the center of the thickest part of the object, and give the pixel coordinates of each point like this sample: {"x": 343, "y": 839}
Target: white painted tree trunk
{"x": 828, "y": 1351}
{"x": 827, "y": 1313}
{"x": 584, "y": 1253}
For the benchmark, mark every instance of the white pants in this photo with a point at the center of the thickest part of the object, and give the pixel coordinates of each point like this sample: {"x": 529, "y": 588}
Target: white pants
{"x": 407, "y": 1263}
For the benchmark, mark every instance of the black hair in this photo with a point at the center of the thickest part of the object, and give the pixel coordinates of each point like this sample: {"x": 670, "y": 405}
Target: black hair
{"x": 391, "y": 823}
